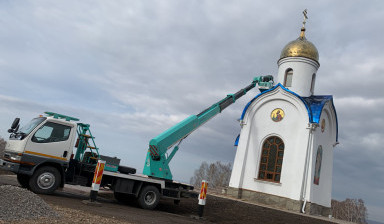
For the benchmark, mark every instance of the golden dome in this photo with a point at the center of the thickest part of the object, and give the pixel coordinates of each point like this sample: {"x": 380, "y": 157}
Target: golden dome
{"x": 300, "y": 47}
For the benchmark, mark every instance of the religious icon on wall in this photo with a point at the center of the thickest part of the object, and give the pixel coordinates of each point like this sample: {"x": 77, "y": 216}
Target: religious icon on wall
{"x": 277, "y": 115}
{"x": 323, "y": 125}
{"x": 319, "y": 157}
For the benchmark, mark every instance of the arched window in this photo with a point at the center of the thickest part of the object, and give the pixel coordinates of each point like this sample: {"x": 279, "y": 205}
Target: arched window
{"x": 288, "y": 78}
{"x": 271, "y": 159}
{"x": 319, "y": 156}
{"x": 313, "y": 83}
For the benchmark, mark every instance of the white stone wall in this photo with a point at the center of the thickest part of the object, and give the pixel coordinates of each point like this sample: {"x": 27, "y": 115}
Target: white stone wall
{"x": 322, "y": 194}
{"x": 303, "y": 69}
{"x": 257, "y": 127}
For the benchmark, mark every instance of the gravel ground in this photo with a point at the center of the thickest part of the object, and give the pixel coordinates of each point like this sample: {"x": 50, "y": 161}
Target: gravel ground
{"x": 69, "y": 209}
{"x": 67, "y": 215}
{"x": 17, "y": 203}
{"x": 20, "y": 206}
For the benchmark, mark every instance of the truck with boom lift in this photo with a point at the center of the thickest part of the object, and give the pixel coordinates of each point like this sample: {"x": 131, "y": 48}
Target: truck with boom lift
{"x": 42, "y": 155}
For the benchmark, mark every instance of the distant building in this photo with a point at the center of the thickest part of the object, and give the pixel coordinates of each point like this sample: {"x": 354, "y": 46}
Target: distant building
{"x": 284, "y": 156}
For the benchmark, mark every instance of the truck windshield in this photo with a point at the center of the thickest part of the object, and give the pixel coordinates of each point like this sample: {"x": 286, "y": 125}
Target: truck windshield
{"x": 26, "y": 129}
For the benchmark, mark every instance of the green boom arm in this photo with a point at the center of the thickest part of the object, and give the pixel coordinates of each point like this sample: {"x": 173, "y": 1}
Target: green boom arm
{"x": 156, "y": 163}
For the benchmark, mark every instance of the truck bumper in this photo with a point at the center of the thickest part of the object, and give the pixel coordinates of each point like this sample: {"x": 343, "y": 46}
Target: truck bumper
{"x": 9, "y": 166}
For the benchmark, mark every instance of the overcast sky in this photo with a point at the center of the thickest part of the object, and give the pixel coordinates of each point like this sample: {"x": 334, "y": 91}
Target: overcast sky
{"x": 132, "y": 69}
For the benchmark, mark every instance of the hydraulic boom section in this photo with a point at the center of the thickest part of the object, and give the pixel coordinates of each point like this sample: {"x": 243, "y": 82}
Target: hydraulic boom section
{"x": 156, "y": 163}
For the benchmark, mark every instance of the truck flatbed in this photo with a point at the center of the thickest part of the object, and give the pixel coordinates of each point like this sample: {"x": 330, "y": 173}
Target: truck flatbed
{"x": 132, "y": 184}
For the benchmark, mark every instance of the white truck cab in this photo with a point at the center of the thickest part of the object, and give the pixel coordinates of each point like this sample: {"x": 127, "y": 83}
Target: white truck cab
{"x": 44, "y": 137}
{"x": 41, "y": 143}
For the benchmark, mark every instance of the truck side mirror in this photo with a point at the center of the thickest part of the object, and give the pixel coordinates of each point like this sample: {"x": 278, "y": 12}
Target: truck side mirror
{"x": 17, "y": 128}
{"x": 15, "y": 123}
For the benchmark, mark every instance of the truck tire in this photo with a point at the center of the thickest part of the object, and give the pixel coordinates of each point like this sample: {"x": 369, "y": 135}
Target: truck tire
{"x": 126, "y": 170}
{"x": 23, "y": 180}
{"x": 45, "y": 180}
{"x": 149, "y": 197}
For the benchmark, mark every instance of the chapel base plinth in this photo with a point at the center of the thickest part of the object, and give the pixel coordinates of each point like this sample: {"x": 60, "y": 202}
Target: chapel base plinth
{"x": 278, "y": 202}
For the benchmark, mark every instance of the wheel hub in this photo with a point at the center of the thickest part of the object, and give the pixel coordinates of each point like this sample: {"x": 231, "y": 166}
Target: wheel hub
{"x": 46, "y": 180}
{"x": 150, "y": 197}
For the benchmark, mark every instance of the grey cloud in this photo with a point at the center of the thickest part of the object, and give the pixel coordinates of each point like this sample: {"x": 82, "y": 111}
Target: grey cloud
{"x": 134, "y": 69}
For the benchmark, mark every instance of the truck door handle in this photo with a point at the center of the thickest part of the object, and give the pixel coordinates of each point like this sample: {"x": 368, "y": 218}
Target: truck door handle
{"x": 65, "y": 154}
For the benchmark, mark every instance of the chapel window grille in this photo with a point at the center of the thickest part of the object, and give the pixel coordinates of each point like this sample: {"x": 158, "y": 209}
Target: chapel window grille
{"x": 271, "y": 160}
{"x": 288, "y": 78}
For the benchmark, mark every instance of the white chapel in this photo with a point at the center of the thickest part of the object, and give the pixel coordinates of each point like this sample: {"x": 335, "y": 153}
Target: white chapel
{"x": 284, "y": 154}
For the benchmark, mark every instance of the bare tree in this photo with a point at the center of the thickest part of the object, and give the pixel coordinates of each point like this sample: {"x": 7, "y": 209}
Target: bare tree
{"x": 217, "y": 174}
{"x": 2, "y": 146}
{"x": 352, "y": 210}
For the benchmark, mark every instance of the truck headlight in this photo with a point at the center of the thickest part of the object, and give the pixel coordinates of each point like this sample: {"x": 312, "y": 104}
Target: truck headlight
{"x": 16, "y": 157}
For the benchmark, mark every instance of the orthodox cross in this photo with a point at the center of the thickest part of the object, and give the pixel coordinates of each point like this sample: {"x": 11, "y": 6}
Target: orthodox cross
{"x": 305, "y": 17}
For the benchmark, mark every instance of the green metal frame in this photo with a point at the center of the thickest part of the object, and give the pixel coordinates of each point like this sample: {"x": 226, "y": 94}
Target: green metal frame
{"x": 85, "y": 136}
{"x": 60, "y": 116}
{"x": 157, "y": 161}
{"x": 86, "y": 141}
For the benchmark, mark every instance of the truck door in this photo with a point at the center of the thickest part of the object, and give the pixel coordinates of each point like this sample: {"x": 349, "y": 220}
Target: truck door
{"x": 51, "y": 140}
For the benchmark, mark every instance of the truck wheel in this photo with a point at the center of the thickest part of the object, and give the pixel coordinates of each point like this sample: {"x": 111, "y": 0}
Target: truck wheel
{"x": 126, "y": 170}
{"x": 23, "y": 180}
{"x": 45, "y": 180}
{"x": 149, "y": 197}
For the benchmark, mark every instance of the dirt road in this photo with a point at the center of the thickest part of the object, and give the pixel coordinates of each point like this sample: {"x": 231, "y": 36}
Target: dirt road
{"x": 217, "y": 210}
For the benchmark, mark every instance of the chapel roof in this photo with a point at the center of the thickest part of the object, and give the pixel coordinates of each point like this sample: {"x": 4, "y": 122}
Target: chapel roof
{"x": 314, "y": 104}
